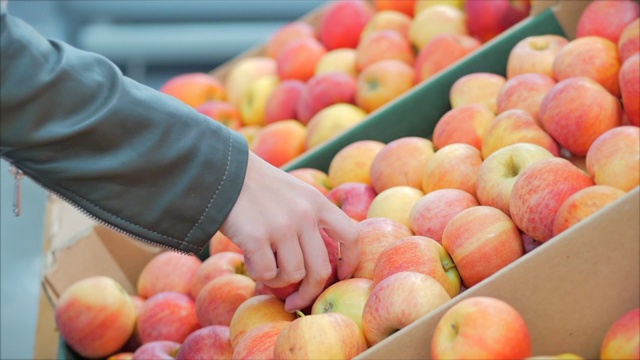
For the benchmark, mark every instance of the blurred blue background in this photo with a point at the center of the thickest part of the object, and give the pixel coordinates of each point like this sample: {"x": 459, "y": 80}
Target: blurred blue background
{"x": 150, "y": 41}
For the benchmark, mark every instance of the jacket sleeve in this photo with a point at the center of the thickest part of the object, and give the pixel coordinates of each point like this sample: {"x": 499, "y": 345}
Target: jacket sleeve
{"x": 129, "y": 156}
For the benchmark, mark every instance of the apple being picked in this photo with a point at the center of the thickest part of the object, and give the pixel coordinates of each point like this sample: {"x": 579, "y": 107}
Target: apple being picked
{"x": 382, "y": 82}
{"x": 168, "y": 271}
{"x": 607, "y": 19}
{"x": 354, "y": 198}
{"x": 160, "y": 349}
{"x": 481, "y": 327}
{"x": 210, "y": 342}
{"x": 255, "y": 311}
{"x": 488, "y": 18}
{"x": 347, "y": 297}
{"x": 535, "y": 54}
{"x": 622, "y": 339}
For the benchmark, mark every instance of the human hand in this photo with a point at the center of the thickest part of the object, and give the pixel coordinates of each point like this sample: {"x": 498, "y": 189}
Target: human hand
{"x": 276, "y": 221}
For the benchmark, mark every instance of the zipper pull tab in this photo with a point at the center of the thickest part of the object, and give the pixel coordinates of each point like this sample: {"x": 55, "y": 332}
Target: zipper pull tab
{"x": 17, "y": 177}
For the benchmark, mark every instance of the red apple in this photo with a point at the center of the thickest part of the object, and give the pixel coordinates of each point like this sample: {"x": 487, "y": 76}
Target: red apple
{"x": 535, "y": 54}
{"x": 629, "y": 78}
{"x": 323, "y": 90}
{"x": 401, "y": 163}
{"x": 167, "y": 315}
{"x": 406, "y": 7}
{"x": 298, "y": 60}
{"x": 629, "y": 41}
{"x": 255, "y": 311}
{"x": 221, "y": 263}
{"x": 168, "y": 271}
{"x": 342, "y": 22}
{"x": 280, "y": 142}
{"x": 223, "y": 112}
{"x": 383, "y": 45}
{"x": 622, "y": 339}
{"x": 220, "y": 298}
{"x": 287, "y": 34}
{"x": 614, "y": 158}
{"x": 220, "y": 242}
{"x": 441, "y": 52}
{"x": 488, "y": 18}
{"x": 607, "y": 19}
{"x": 354, "y": 198}
{"x": 388, "y": 20}
{"x": 453, "y": 166}
{"x": 465, "y": 124}
{"x": 161, "y": 350}
{"x": 382, "y": 82}
{"x": 282, "y": 103}
{"x": 525, "y": 92}
{"x": 210, "y": 342}
{"x": 259, "y": 342}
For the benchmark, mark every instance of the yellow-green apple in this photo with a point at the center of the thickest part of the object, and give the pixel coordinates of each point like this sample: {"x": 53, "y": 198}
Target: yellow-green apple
{"x": 582, "y": 204}
{"x": 525, "y": 92}
{"x": 382, "y": 82}
{"x": 395, "y": 203}
{"x": 167, "y": 315}
{"x": 219, "y": 299}
{"x": 374, "y": 235}
{"x": 388, "y": 20}
{"x": 539, "y": 192}
{"x": 299, "y": 59}
{"x": 220, "y": 242}
{"x": 629, "y": 78}
{"x": 283, "y": 101}
{"x": 420, "y": 254}
{"x": 399, "y": 300}
{"x": 134, "y": 341}
{"x": 614, "y": 158}
{"x": 481, "y": 240}
{"x": 242, "y": 73}
{"x": 341, "y": 23}
{"x": 249, "y": 132}
{"x": 354, "y": 198}
{"x": 607, "y": 19}
{"x": 168, "y": 271}
{"x": 286, "y": 34}
{"x": 578, "y": 110}
{"x": 629, "y": 41}
{"x": 223, "y": 112}
{"x": 331, "y": 122}
{"x": 255, "y": 311}
{"x": 259, "y": 342}
{"x": 434, "y": 210}
{"x": 218, "y": 264}
{"x": 195, "y": 88}
{"x": 486, "y": 19}
{"x": 123, "y": 355}
{"x": 500, "y": 170}
{"x": 353, "y": 162}
{"x": 562, "y": 356}
{"x": 320, "y": 336}
{"x": 161, "y": 349}
{"x": 280, "y": 142}
{"x": 481, "y": 327}
{"x": 314, "y": 177}
{"x": 347, "y": 297}
{"x": 254, "y": 103}
{"x": 421, "y": 5}
{"x": 622, "y": 338}
{"x": 401, "y": 162}
{"x": 590, "y": 56}
{"x": 95, "y": 316}
{"x": 477, "y": 88}
{"x": 465, "y": 124}
{"x": 383, "y": 45}
{"x": 436, "y": 20}
{"x": 453, "y": 166}
{"x": 442, "y": 51}
{"x": 323, "y": 90}
{"x": 535, "y": 54}
{"x": 406, "y": 7}
{"x": 338, "y": 60}
{"x": 210, "y": 342}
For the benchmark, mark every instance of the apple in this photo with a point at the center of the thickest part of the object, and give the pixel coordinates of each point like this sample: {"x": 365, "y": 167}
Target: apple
{"x": 338, "y": 60}
{"x": 453, "y": 166}
{"x": 323, "y": 90}
{"x": 420, "y": 254}
{"x": 354, "y": 198}
{"x": 562, "y": 356}
{"x": 220, "y": 298}
{"x": 374, "y": 235}
{"x": 314, "y": 177}
{"x": 283, "y": 100}
{"x": 320, "y": 336}
{"x": 524, "y": 92}
{"x": 481, "y": 327}
{"x": 255, "y": 311}
{"x": 167, "y": 315}
{"x": 539, "y": 192}
{"x": 431, "y": 213}
{"x": 95, "y": 316}
{"x": 629, "y": 41}
{"x": 500, "y": 170}
{"x": 535, "y": 54}
{"x": 436, "y": 20}
{"x": 280, "y": 142}
{"x": 582, "y": 204}
{"x": 466, "y": 124}
{"x": 397, "y": 301}
{"x": 331, "y": 122}
{"x": 210, "y": 342}
{"x": 401, "y": 162}
{"x": 441, "y": 52}
{"x": 481, "y": 240}
{"x": 405, "y": 7}
{"x": 134, "y": 341}
{"x": 388, "y": 20}
{"x": 124, "y": 355}
{"x": 259, "y": 342}
{"x": 249, "y": 132}
{"x": 607, "y": 19}
{"x": 220, "y": 263}
{"x": 629, "y": 78}
{"x": 299, "y": 59}
{"x": 382, "y": 82}
{"x": 395, "y": 203}
{"x": 383, "y": 45}
{"x": 342, "y": 21}
{"x": 622, "y": 338}
{"x": 347, "y": 297}
{"x": 353, "y": 162}
{"x": 516, "y": 126}
{"x": 253, "y": 105}
{"x": 220, "y": 242}
{"x": 161, "y": 350}
{"x": 421, "y": 5}
{"x": 287, "y": 34}
{"x": 578, "y": 110}
{"x": 242, "y": 73}
{"x": 477, "y": 88}
{"x": 614, "y": 158}
{"x": 486, "y": 19}
{"x": 590, "y": 56}
{"x": 195, "y": 88}
{"x": 168, "y": 271}
{"x": 222, "y": 112}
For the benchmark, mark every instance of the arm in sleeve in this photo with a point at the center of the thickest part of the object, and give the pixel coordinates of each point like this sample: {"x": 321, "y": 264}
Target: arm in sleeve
{"x": 130, "y": 156}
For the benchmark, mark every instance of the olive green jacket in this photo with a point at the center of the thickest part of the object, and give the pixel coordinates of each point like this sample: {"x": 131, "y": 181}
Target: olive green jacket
{"x": 130, "y": 157}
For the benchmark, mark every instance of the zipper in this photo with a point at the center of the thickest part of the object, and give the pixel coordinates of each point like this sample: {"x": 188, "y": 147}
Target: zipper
{"x": 17, "y": 189}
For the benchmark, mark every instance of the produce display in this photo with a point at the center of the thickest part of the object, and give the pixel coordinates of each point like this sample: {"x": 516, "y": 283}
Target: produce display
{"x": 517, "y": 160}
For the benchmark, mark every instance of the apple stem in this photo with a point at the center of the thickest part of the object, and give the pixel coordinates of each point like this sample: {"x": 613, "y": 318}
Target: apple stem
{"x": 300, "y": 313}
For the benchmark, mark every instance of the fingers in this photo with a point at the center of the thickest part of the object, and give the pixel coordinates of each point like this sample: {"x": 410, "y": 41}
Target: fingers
{"x": 291, "y": 268}
{"x": 343, "y": 230}
{"x": 260, "y": 263}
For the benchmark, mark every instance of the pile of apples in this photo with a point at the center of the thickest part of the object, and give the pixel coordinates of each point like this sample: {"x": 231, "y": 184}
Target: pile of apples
{"x": 517, "y": 160}
{"x": 316, "y": 78}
